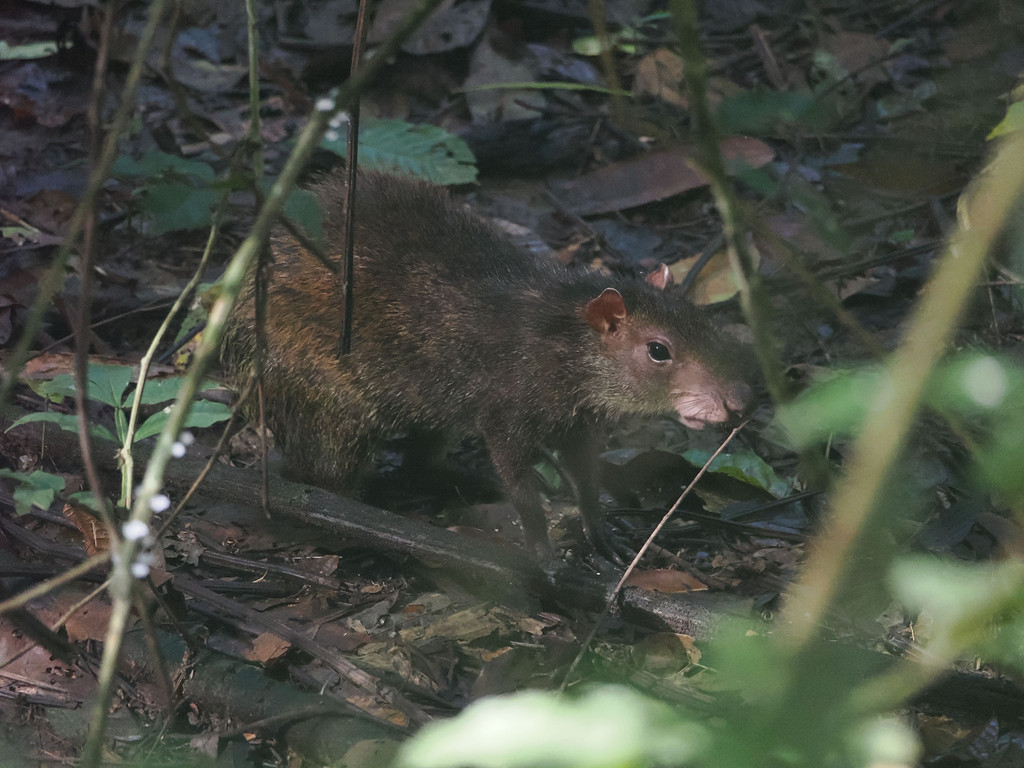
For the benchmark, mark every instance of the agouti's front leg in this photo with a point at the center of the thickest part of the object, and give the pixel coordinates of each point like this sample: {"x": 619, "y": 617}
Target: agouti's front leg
{"x": 580, "y": 456}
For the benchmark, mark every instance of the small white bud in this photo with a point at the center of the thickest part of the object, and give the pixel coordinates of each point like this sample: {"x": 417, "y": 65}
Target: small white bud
{"x": 159, "y": 503}
{"x": 186, "y": 438}
{"x": 325, "y": 104}
{"x": 178, "y": 450}
{"x": 135, "y": 530}
{"x": 140, "y": 570}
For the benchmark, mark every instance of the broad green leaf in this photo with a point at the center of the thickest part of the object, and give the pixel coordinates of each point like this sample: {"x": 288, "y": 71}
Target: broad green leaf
{"x": 164, "y": 390}
{"x": 66, "y": 421}
{"x": 203, "y": 414}
{"x": 417, "y": 150}
{"x": 35, "y": 490}
{"x": 161, "y": 390}
{"x": 176, "y": 206}
{"x": 745, "y": 466}
{"x": 107, "y": 383}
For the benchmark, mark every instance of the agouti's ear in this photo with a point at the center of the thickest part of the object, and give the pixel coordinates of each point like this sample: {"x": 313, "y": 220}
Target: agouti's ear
{"x": 604, "y": 313}
{"x": 660, "y": 278}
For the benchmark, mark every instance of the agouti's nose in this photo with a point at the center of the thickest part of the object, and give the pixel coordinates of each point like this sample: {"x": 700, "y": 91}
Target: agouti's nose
{"x": 740, "y": 402}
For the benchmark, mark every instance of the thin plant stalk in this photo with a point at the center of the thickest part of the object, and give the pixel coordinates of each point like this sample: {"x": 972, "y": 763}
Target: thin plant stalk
{"x": 753, "y": 298}
{"x": 128, "y": 468}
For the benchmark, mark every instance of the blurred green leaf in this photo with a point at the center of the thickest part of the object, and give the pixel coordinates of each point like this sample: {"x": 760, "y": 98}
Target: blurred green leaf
{"x": 960, "y": 599}
{"x": 832, "y": 407}
{"x": 762, "y": 112}
{"x": 35, "y": 490}
{"x": 156, "y": 163}
{"x": 1014, "y": 121}
{"x": 607, "y": 727}
{"x": 38, "y": 50}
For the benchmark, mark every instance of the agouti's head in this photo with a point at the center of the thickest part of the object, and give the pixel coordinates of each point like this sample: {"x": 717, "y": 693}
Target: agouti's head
{"x": 666, "y": 355}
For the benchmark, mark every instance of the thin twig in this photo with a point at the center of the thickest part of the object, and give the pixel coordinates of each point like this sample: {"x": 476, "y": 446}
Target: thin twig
{"x": 346, "y": 273}
{"x": 705, "y": 134}
{"x": 86, "y": 256}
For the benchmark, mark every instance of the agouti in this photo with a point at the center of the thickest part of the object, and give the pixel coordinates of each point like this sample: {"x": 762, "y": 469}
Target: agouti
{"x": 456, "y": 330}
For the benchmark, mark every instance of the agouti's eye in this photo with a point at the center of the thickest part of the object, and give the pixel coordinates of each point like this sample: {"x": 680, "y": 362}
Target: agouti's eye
{"x": 659, "y": 352}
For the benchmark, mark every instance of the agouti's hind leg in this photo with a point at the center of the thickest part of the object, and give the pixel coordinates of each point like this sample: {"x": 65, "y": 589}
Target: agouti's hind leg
{"x": 515, "y": 468}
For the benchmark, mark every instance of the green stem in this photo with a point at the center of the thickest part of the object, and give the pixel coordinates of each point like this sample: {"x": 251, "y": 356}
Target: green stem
{"x": 990, "y": 201}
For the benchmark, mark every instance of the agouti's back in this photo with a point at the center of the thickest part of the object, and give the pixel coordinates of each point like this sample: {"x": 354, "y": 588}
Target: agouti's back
{"x": 456, "y": 329}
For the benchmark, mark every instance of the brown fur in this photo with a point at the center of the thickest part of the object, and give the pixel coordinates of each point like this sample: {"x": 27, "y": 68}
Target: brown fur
{"x": 457, "y": 330}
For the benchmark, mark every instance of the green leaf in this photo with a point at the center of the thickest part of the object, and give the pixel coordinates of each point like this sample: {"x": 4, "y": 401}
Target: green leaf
{"x": 835, "y": 406}
{"x": 157, "y": 391}
{"x": 56, "y": 389}
{"x": 85, "y": 499}
{"x": 203, "y": 414}
{"x": 27, "y": 51}
{"x": 745, "y": 466}
{"x": 107, "y": 383}
{"x": 302, "y": 208}
{"x": 425, "y": 151}
{"x": 156, "y": 163}
{"x": 763, "y": 111}
{"x": 163, "y": 390}
{"x": 121, "y": 424}
{"x": 968, "y": 606}
{"x": 35, "y": 490}
{"x": 20, "y": 235}
{"x": 608, "y": 727}
{"x": 176, "y": 206}
{"x": 66, "y": 421}
{"x": 1013, "y": 122}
